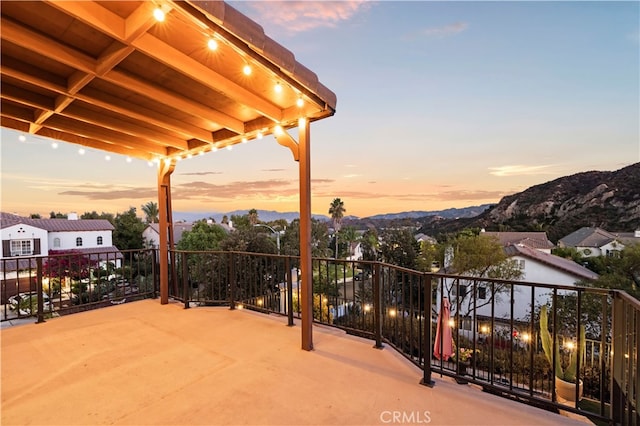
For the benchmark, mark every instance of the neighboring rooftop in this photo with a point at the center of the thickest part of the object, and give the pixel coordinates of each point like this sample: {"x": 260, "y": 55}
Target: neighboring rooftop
{"x": 56, "y": 225}
{"x": 557, "y": 262}
{"x": 587, "y": 237}
{"x": 146, "y": 363}
{"x": 535, "y": 240}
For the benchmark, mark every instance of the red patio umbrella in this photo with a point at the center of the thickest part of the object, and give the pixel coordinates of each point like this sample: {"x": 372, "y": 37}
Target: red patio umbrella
{"x": 443, "y": 347}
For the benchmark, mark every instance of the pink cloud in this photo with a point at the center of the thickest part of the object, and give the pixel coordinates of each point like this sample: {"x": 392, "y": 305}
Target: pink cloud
{"x": 299, "y": 16}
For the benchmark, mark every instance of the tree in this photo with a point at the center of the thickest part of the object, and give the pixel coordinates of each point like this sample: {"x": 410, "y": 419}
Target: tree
{"x": 58, "y": 215}
{"x": 202, "y": 236}
{"x": 620, "y": 272}
{"x": 349, "y": 235}
{"x": 476, "y": 256}
{"x": 95, "y": 215}
{"x": 337, "y": 211}
{"x": 35, "y": 216}
{"x": 151, "y": 212}
{"x": 128, "y": 230}
{"x": 399, "y": 248}
{"x": 370, "y": 244}
{"x": 253, "y": 217}
{"x": 290, "y": 241}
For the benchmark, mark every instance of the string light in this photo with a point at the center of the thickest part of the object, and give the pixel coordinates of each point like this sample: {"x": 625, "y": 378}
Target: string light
{"x": 201, "y": 153}
{"x": 246, "y": 70}
{"x": 260, "y": 135}
{"x": 22, "y": 138}
{"x": 81, "y": 151}
{"x": 300, "y": 102}
{"x": 107, "y": 157}
{"x": 54, "y": 145}
{"x": 245, "y": 140}
{"x": 278, "y": 87}
{"x": 129, "y": 159}
{"x": 212, "y": 44}
{"x": 229, "y": 147}
{"x": 158, "y": 14}
{"x": 278, "y": 130}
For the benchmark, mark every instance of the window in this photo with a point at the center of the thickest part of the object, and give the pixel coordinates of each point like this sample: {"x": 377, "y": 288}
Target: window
{"x": 482, "y": 292}
{"x": 521, "y": 263}
{"x": 78, "y": 242}
{"x": 99, "y": 241}
{"x": 462, "y": 290}
{"x": 21, "y": 248}
{"x": 56, "y": 242}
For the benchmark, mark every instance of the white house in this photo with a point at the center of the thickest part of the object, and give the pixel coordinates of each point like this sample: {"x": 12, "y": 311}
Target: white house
{"x": 593, "y": 242}
{"x": 537, "y": 266}
{"x": 24, "y": 237}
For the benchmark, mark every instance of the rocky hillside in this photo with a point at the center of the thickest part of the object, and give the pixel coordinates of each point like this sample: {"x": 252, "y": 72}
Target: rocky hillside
{"x": 609, "y": 200}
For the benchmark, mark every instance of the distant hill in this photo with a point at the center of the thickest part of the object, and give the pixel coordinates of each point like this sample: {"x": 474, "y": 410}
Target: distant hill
{"x": 447, "y": 214}
{"x": 263, "y": 215}
{"x": 609, "y": 200}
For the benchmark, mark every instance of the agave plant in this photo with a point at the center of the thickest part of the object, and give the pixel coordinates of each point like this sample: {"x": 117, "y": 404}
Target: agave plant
{"x": 567, "y": 374}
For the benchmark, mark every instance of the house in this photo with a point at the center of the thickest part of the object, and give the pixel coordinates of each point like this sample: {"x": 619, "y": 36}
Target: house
{"x": 355, "y": 251}
{"x": 24, "y": 237}
{"x": 534, "y": 240}
{"x": 423, "y": 238}
{"x": 151, "y": 233}
{"x": 593, "y": 242}
{"x": 537, "y": 267}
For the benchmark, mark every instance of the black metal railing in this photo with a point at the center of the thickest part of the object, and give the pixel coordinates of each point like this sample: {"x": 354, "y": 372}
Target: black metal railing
{"x": 496, "y": 338}
{"x": 60, "y": 284}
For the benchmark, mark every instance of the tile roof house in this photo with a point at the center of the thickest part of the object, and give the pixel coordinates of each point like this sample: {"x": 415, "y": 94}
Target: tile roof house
{"x": 534, "y": 240}
{"x": 23, "y": 236}
{"x": 591, "y": 242}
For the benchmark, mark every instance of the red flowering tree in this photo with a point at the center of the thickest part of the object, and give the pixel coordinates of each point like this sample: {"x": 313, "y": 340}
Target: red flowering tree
{"x": 68, "y": 263}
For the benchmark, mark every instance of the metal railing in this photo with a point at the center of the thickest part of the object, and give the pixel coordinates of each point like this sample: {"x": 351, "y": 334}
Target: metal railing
{"x": 60, "y": 284}
{"x": 494, "y": 324}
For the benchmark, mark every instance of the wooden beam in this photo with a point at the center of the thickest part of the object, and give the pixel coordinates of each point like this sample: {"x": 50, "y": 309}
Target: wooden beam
{"x": 306, "y": 274}
{"x": 163, "y": 96}
{"x": 177, "y": 60}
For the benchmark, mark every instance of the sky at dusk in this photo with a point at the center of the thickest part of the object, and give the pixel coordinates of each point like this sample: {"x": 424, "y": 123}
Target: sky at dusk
{"x": 440, "y": 105}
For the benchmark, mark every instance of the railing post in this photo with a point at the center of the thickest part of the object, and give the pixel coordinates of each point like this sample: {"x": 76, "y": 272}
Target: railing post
{"x": 377, "y": 306}
{"x": 427, "y": 283}
{"x": 617, "y": 360}
{"x": 39, "y": 290}
{"x": 289, "y": 304}
{"x": 232, "y": 281}
{"x": 185, "y": 279}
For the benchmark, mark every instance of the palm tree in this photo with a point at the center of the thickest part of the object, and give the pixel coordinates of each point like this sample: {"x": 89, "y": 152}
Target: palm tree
{"x": 151, "y": 212}
{"x": 337, "y": 211}
{"x": 253, "y": 217}
{"x": 350, "y": 235}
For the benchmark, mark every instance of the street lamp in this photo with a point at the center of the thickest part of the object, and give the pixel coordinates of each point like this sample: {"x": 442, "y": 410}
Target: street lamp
{"x": 274, "y": 231}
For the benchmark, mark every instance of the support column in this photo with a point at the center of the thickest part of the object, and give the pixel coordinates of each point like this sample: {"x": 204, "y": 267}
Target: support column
{"x": 306, "y": 274}
{"x": 165, "y": 226}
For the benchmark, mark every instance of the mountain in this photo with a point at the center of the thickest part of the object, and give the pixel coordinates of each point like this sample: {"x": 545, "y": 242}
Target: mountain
{"x": 452, "y": 213}
{"x": 263, "y": 215}
{"x": 609, "y": 200}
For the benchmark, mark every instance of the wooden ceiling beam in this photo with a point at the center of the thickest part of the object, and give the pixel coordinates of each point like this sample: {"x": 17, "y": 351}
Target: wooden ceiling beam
{"x": 79, "y": 113}
{"x": 163, "y": 96}
{"x": 69, "y": 125}
{"x": 107, "y": 101}
{"x": 177, "y": 60}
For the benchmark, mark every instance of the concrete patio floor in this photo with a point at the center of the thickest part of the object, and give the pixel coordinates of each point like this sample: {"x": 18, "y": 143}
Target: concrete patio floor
{"x": 143, "y": 363}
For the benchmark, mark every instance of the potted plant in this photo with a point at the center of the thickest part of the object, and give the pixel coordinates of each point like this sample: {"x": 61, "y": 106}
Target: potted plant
{"x": 565, "y": 379}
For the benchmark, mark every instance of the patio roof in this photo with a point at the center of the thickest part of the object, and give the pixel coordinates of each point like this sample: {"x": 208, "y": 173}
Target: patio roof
{"x": 140, "y": 363}
{"x": 160, "y": 81}
{"x": 108, "y": 75}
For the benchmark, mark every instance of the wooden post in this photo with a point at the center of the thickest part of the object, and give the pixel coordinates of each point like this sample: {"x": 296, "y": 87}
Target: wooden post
{"x": 306, "y": 274}
{"x": 166, "y": 223}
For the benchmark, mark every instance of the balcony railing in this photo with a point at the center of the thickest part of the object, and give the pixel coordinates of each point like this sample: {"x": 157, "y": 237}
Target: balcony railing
{"x": 494, "y": 324}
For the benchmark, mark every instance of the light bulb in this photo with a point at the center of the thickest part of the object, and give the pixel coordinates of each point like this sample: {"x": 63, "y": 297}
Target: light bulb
{"x": 260, "y": 135}
{"x": 129, "y": 159}
{"x": 158, "y": 14}
{"x": 107, "y": 157}
{"x": 22, "y": 138}
{"x": 81, "y": 151}
{"x": 278, "y": 87}
{"x": 300, "y": 102}
{"x": 212, "y": 44}
{"x": 245, "y": 140}
{"x": 247, "y": 70}
{"x": 54, "y": 145}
